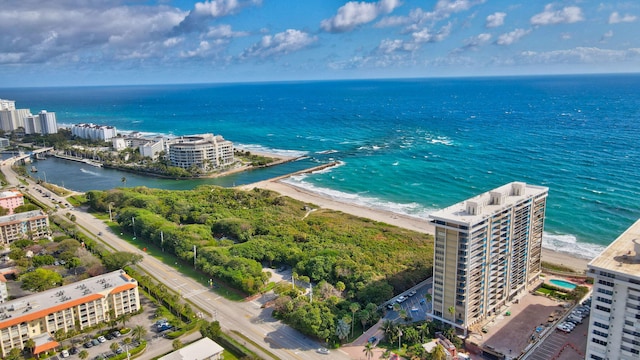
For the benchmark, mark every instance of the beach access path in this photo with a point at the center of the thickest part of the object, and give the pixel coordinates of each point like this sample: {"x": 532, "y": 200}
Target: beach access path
{"x": 403, "y": 221}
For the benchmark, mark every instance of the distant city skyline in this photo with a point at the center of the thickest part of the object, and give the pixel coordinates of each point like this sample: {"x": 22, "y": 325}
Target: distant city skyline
{"x": 108, "y": 42}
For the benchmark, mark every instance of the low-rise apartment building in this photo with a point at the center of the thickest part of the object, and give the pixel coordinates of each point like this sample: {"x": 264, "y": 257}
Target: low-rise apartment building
{"x": 76, "y": 306}
{"x": 11, "y": 199}
{"x": 32, "y": 225}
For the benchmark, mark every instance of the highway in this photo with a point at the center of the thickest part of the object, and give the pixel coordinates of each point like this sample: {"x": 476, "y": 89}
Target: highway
{"x": 248, "y": 317}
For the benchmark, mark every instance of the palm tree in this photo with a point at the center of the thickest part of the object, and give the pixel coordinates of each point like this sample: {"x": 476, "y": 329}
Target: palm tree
{"x": 177, "y": 344}
{"x": 114, "y": 346}
{"x": 388, "y": 327}
{"x": 30, "y": 344}
{"x": 124, "y": 318}
{"x": 452, "y": 311}
{"x": 138, "y": 332}
{"x": 439, "y": 353}
{"x": 342, "y": 329}
{"x": 83, "y": 354}
{"x": 354, "y": 307}
{"x": 368, "y": 350}
{"x": 385, "y": 355}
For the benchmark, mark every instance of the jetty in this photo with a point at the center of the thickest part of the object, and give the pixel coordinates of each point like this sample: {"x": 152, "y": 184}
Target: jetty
{"x": 78, "y": 159}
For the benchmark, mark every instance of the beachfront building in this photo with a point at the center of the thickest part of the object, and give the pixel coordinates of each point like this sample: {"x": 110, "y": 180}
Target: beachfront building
{"x": 150, "y": 147}
{"x": 203, "y": 349}
{"x": 487, "y": 252}
{"x": 11, "y": 199}
{"x": 7, "y": 104}
{"x": 32, "y": 225}
{"x": 94, "y": 132}
{"x": 43, "y": 123}
{"x": 204, "y": 152}
{"x": 75, "y": 306}
{"x": 614, "y": 322}
{"x": 13, "y": 119}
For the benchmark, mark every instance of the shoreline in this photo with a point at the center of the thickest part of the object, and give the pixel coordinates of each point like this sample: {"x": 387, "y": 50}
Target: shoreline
{"x": 399, "y": 220}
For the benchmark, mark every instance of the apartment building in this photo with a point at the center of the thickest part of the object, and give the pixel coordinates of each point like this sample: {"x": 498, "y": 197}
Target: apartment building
{"x": 11, "y": 199}
{"x": 205, "y": 152}
{"x": 614, "y": 322}
{"x": 27, "y": 225}
{"x": 76, "y": 306}
{"x": 487, "y": 252}
{"x": 94, "y": 132}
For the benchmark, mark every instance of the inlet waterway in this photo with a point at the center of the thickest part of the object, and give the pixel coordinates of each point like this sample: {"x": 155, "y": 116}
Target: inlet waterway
{"x": 82, "y": 177}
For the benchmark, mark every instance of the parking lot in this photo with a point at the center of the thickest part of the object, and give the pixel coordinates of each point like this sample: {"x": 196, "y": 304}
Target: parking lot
{"x": 156, "y": 343}
{"x": 412, "y": 301}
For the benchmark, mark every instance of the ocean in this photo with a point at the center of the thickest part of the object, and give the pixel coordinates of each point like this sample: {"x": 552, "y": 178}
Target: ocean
{"x": 412, "y": 146}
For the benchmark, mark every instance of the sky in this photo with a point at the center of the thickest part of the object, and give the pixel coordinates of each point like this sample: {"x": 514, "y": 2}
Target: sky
{"x": 119, "y": 42}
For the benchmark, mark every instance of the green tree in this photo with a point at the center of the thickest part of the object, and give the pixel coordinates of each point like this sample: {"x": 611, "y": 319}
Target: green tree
{"x": 30, "y": 345}
{"x": 139, "y": 332}
{"x": 120, "y": 259}
{"x": 14, "y": 354}
{"x": 40, "y": 280}
{"x": 124, "y": 318}
{"x": 114, "y": 346}
{"x": 386, "y": 354}
{"x": 342, "y": 329}
{"x": 368, "y": 350}
{"x": 354, "y": 307}
{"x": 439, "y": 353}
{"x": 211, "y": 330}
{"x": 83, "y": 354}
{"x": 177, "y": 344}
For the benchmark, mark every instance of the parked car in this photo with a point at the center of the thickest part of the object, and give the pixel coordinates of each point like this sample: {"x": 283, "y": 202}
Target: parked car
{"x": 411, "y": 293}
{"x": 323, "y": 351}
{"x": 101, "y": 339}
{"x": 373, "y": 340}
{"x": 401, "y": 299}
{"x": 74, "y": 350}
{"x": 88, "y": 344}
{"x": 95, "y": 342}
{"x": 116, "y": 334}
{"x": 165, "y": 326}
{"x": 64, "y": 353}
{"x": 118, "y": 350}
{"x": 390, "y": 306}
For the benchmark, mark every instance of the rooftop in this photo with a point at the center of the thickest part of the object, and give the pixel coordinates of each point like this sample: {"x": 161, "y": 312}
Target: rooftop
{"x": 35, "y": 306}
{"x": 482, "y": 206}
{"x": 622, "y": 255}
{"x": 204, "y": 348}
{"x": 21, "y": 216}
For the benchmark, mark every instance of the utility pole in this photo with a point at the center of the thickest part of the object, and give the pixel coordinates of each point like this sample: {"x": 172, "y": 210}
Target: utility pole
{"x": 194, "y": 256}
{"x": 133, "y": 224}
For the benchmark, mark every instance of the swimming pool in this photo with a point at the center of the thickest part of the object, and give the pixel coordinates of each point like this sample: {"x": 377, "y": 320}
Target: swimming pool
{"x": 563, "y": 284}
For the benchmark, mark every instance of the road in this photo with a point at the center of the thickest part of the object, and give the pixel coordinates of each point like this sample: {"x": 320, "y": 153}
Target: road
{"x": 249, "y": 318}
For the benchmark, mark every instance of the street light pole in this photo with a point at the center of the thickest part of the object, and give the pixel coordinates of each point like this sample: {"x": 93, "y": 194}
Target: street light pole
{"x": 110, "y": 217}
{"x": 133, "y": 224}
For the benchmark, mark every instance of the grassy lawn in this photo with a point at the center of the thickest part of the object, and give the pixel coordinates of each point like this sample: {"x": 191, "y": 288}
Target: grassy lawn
{"x": 171, "y": 260}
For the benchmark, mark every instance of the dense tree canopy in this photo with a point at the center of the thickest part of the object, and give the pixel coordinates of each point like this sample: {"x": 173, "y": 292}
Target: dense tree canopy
{"x": 237, "y": 232}
{"x": 41, "y": 279}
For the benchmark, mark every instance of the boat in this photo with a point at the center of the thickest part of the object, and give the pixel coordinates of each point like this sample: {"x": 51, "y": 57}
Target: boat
{"x": 33, "y": 169}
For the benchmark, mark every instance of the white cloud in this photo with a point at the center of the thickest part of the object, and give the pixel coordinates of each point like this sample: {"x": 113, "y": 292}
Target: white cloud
{"x": 606, "y": 36}
{"x": 511, "y": 37}
{"x": 581, "y": 55}
{"x": 279, "y": 44}
{"x": 202, "y": 49}
{"x": 566, "y": 15}
{"x": 388, "y": 46}
{"x": 353, "y": 14}
{"x": 615, "y": 18}
{"x": 224, "y": 31}
{"x": 495, "y": 20}
{"x": 478, "y": 40}
{"x": 198, "y": 19}
{"x": 427, "y": 36}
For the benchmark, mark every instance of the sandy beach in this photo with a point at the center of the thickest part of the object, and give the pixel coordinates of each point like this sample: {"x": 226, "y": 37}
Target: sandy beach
{"x": 406, "y": 222}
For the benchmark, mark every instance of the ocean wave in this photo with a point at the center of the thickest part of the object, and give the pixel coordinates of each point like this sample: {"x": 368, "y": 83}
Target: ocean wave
{"x": 407, "y": 209}
{"x": 569, "y": 244}
{"x": 327, "y": 152}
{"x": 267, "y": 150}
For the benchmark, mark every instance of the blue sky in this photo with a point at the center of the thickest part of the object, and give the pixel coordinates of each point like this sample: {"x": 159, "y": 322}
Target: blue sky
{"x": 100, "y": 42}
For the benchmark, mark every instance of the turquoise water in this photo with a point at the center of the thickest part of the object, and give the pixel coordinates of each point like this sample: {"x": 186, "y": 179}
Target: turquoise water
{"x": 564, "y": 284}
{"x": 408, "y": 146}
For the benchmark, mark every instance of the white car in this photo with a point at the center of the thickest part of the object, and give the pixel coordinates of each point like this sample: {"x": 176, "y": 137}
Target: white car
{"x": 401, "y": 299}
{"x": 64, "y": 353}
